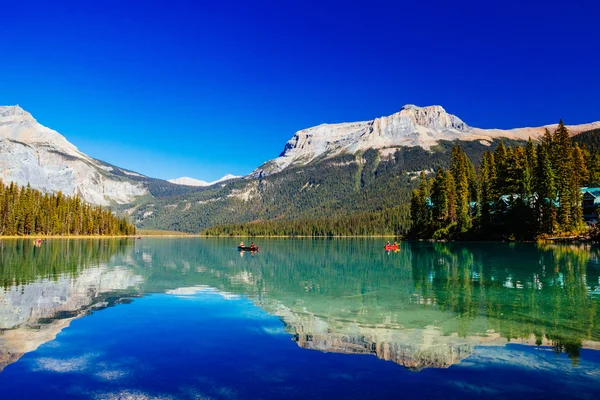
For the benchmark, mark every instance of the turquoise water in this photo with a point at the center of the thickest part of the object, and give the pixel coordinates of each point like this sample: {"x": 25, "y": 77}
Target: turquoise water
{"x": 193, "y": 318}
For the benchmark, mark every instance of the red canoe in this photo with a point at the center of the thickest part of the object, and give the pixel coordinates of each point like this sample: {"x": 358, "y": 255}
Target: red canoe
{"x": 391, "y": 247}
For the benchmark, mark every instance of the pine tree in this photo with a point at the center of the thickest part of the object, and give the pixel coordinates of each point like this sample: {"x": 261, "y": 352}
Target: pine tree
{"x": 546, "y": 191}
{"x": 501, "y": 168}
{"x": 440, "y": 207}
{"x": 418, "y": 207}
{"x": 578, "y": 179}
{"x": 458, "y": 170}
{"x": 564, "y": 170}
{"x": 487, "y": 197}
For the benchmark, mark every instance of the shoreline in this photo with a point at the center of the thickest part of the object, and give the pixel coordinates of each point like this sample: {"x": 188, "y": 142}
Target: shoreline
{"x": 188, "y": 235}
{"x": 43, "y": 237}
{"x": 552, "y": 240}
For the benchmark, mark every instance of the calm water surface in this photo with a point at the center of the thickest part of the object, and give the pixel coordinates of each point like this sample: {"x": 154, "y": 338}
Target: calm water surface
{"x": 320, "y": 319}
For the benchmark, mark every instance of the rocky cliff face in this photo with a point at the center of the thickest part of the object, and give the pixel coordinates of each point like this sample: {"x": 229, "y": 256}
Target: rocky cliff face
{"x": 31, "y": 153}
{"x": 412, "y": 126}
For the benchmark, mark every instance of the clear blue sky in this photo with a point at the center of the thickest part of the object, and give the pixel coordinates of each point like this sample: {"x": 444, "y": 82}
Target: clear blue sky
{"x": 204, "y": 88}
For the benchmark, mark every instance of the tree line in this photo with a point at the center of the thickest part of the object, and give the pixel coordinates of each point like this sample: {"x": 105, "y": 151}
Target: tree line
{"x": 393, "y": 222}
{"x": 518, "y": 192}
{"x": 27, "y": 211}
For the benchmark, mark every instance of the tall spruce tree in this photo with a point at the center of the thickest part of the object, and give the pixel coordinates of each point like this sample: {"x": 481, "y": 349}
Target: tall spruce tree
{"x": 418, "y": 207}
{"x": 563, "y": 160}
{"x": 459, "y": 172}
{"x": 546, "y": 191}
{"x": 439, "y": 198}
{"x": 501, "y": 168}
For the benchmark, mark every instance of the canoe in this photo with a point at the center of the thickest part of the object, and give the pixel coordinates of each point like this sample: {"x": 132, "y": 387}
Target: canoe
{"x": 247, "y": 248}
{"x": 390, "y": 247}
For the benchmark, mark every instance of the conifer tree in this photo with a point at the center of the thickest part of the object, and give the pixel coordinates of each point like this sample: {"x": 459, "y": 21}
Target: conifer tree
{"x": 418, "y": 207}
{"x": 487, "y": 197}
{"x": 545, "y": 190}
{"x": 458, "y": 170}
{"x": 440, "y": 201}
{"x": 500, "y": 165}
{"x": 563, "y": 159}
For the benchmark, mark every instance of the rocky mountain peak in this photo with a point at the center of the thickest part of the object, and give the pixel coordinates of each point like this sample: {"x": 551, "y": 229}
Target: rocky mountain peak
{"x": 31, "y": 153}
{"x": 410, "y": 127}
{"x": 10, "y": 114}
{"x": 433, "y": 117}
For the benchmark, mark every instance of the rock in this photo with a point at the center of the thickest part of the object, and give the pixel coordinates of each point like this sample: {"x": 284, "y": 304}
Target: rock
{"x": 31, "y": 153}
{"x": 412, "y": 126}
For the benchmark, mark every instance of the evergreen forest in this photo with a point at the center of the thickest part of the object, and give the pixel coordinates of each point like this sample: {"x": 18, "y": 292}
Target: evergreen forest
{"x": 27, "y": 211}
{"x": 518, "y": 192}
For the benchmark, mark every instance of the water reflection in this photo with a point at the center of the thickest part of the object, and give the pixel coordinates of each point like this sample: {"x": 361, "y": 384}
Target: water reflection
{"x": 45, "y": 287}
{"x": 428, "y": 305}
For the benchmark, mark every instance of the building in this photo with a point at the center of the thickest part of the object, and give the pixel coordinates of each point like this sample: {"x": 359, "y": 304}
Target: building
{"x": 590, "y": 203}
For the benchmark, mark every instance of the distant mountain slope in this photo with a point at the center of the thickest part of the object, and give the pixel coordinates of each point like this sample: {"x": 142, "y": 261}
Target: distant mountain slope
{"x": 342, "y": 185}
{"x": 590, "y": 139}
{"x": 187, "y": 181}
{"x": 31, "y": 153}
{"x": 413, "y": 126}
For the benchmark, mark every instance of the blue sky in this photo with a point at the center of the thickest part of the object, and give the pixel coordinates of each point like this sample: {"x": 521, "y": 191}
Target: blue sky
{"x": 201, "y": 88}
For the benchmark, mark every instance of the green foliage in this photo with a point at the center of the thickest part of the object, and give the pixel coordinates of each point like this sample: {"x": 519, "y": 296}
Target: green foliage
{"x": 23, "y": 262}
{"x": 391, "y": 222}
{"x": 522, "y": 192}
{"x": 589, "y": 139}
{"x": 26, "y": 211}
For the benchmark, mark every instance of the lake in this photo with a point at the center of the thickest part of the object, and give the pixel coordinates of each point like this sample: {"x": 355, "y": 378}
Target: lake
{"x": 193, "y": 318}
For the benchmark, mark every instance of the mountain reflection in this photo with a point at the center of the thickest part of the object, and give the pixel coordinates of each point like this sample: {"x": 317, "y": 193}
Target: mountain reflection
{"x": 428, "y": 305}
{"x": 45, "y": 288}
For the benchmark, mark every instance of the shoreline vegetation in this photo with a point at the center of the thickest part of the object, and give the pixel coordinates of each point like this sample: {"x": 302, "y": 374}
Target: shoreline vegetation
{"x": 517, "y": 194}
{"x": 139, "y": 233}
{"x": 25, "y": 211}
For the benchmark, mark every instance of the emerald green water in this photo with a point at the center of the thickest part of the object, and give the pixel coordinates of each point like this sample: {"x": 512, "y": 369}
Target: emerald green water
{"x": 436, "y": 311}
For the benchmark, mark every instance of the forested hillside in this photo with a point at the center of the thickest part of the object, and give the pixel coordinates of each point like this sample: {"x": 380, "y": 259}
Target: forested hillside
{"x": 26, "y": 211}
{"x": 392, "y": 222}
{"x": 589, "y": 139}
{"x": 322, "y": 193}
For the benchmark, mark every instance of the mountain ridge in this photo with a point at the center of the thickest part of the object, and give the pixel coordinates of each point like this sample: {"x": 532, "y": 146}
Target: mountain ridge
{"x": 187, "y": 181}
{"x": 369, "y": 169}
{"x": 412, "y": 126}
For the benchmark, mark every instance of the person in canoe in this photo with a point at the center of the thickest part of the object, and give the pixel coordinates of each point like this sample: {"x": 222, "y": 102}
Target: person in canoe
{"x": 241, "y": 244}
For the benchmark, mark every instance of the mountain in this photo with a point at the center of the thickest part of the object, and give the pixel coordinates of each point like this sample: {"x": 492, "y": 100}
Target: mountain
{"x": 337, "y": 170}
{"x": 186, "y": 181}
{"x": 32, "y": 154}
{"x": 331, "y": 170}
{"x": 411, "y": 127}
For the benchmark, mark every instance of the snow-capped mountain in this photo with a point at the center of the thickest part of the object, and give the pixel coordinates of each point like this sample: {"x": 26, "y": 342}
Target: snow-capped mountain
{"x": 412, "y": 126}
{"x": 31, "y": 153}
{"x": 187, "y": 181}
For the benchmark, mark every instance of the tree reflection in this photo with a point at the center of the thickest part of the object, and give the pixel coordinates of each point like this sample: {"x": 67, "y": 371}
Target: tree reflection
{"x": 22, "y": 261}
{"x": 524, "y": 291}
